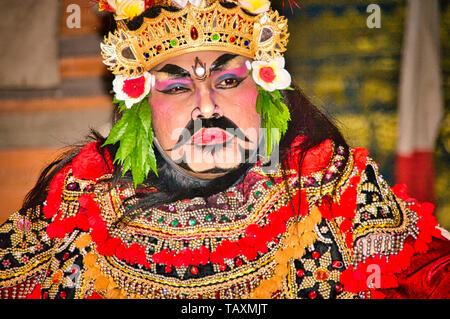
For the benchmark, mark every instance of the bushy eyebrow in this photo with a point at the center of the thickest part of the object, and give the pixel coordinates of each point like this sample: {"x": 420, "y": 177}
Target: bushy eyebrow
{"x": 221, "y": 61}
{"x": 175, "y": 70}
{"x": 178, "y": 72}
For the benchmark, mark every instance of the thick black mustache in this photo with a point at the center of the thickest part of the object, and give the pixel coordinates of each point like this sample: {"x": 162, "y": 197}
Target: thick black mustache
{"x": 194, "y": 126}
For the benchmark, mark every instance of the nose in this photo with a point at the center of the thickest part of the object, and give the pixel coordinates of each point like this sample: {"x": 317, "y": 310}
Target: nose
{"x": 206, "y": 105}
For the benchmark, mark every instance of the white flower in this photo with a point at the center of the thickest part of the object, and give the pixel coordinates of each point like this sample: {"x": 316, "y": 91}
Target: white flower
{"x": 127, "y": 9}
{"x": 255, "y": 6}
{"x": 133, "y": 90}
{"x": 271, "y": 75}
{"x": 183, "y": 3}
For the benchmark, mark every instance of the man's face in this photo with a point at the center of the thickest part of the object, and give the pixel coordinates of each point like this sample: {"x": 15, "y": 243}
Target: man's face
{"x": 203, "y": 111}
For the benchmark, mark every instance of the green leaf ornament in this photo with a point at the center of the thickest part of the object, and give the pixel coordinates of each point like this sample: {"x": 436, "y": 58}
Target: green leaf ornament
{"x": 134, "y": 134}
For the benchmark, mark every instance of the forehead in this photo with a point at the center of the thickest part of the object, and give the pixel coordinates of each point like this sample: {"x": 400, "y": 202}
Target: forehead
{"x": 187, "y": 60}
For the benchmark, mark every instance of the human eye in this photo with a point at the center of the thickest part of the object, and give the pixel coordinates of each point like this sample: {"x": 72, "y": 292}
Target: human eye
{"x": 176, "y": 88}
{"x": 228, "y": 81}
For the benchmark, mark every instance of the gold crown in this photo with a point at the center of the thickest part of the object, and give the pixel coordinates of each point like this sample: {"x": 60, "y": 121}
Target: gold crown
{"x": 213, "y": 27}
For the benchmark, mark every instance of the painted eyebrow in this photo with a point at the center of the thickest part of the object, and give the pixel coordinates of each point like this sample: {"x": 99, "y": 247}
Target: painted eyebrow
{"x": 221, "y": 61}
{"x": 175, "y": 70}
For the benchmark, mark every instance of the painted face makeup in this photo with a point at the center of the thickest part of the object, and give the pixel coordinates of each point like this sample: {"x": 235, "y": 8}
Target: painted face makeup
{"x": 203, "y": 112}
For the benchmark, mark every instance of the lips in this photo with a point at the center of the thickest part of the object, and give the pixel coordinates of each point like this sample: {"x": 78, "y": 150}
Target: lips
{"x": 210, "y": 136}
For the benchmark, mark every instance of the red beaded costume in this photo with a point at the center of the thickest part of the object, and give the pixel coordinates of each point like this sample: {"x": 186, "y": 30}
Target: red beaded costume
{"x": 322, "y": 223}
{"x": 243, "y": 242}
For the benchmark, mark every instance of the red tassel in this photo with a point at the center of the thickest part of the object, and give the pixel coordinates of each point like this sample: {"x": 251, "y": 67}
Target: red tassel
{"x": 56, "y": 230}
{"x": 69, "y": 224}
{"x": 82, "y": 222}
{"x": 183, "y": 258}
{"x": 99, "y": 235}
{"x": 109, "y": 246}
{"x": 247, "y": 248}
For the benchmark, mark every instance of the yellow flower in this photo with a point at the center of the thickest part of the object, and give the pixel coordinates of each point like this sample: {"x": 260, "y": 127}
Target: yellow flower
{"x": 255, "y": 6}
{"x": 127, "y": 9}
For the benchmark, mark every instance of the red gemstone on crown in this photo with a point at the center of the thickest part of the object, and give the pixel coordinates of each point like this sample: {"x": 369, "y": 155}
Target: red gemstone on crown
{"x": 232, "y": 39}
{"x": 159, "y": 47}
{"x": 300, "y": 273}
{"x": 194, "y": 33}
{"x": 315, "y": 255}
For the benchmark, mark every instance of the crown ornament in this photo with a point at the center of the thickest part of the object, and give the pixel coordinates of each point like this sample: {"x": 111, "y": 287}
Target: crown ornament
{"x": 213, "y": 26}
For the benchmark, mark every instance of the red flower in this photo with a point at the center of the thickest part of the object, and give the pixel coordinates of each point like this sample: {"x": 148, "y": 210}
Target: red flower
{"x": 267, "y": 74}
{"x": 134, "y": 87}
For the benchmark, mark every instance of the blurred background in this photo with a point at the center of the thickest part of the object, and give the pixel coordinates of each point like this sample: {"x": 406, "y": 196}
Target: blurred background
{"x": 380, "y": 68}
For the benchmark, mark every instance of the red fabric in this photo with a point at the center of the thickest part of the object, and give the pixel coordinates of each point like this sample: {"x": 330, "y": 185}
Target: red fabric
{"x": 418, "y": 173}
{"x": 90, "y": 164}
{"x": 427, "y": 277}
{"x": 315, "y": 159}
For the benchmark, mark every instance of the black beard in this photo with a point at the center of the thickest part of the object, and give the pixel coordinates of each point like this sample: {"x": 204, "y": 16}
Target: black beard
{"x": 172, "y": 180}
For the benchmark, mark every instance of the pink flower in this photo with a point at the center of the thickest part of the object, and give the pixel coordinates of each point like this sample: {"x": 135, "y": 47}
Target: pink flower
{"x": 132, "y": 90}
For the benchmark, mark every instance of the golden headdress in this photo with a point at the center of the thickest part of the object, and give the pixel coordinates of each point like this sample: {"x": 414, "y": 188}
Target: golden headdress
{"x": 246, "y": 27}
